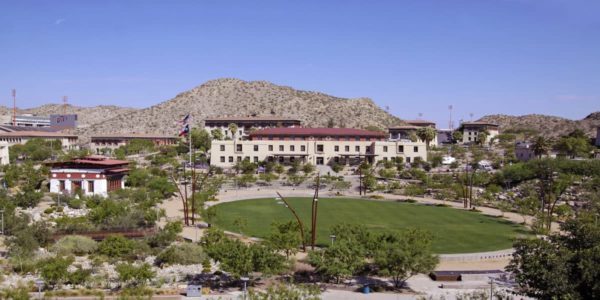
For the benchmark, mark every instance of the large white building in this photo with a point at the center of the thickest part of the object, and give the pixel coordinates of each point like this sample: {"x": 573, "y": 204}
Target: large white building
{"x": 471, "y": 131}
{"x": 91, "y": 175}
{"x": 68, "y": 141}
{"x": 4, "y": 154}
{"x": 106, "y": 144}
{"x": 247, "y": 124}
{"x": 319, "y": 146}
{"x": 404, "y": 132}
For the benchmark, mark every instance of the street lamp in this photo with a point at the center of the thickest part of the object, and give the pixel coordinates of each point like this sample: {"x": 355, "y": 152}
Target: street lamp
{"x": 244, "y": 280}
{"x": 39, "y": 283}
{"x": 332, "y": 237}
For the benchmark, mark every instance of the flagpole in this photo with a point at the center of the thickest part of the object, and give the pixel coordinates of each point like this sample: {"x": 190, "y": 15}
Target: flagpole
{"x": 190, "y": 136}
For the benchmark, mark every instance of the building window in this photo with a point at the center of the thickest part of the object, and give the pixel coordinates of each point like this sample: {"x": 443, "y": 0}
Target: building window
{"x": 270, "y": 147}
{"x": 61, "y": 185}
{"x": 347, "y": 148}
{"x": 368, "y": 149}
{"x": 357, "y": 148}
{"x": 90, "y": 188}
{"x": 384, "y": 148}
{"x": 281, "y": 148}
{"x": 303, "y": 148}
{"x": 238, "y": 147}
{"x": 320, "y": 148}
{"x": 416, "y": 148}
{"x": 256, "y": 159}
{"x": 231, "y": 159}
{"x": 320, "y": 160}
{"x": 408, "y": 159}
{"x": 469, "y": 138}
{"x": 255, "y": 147}
{"x": 401, "y": 149}
{"x": 222, "y": 148}
{"x": 239, "y": 158}
{"x": 336, "y": 148}
{"x": 292, "y": 148}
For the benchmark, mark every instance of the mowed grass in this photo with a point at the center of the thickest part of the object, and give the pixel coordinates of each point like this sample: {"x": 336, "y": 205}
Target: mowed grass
{"x": 454, "y": 231}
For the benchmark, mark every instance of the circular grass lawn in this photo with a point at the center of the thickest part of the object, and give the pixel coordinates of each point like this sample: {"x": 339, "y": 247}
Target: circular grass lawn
{"x": 454, "y": 230}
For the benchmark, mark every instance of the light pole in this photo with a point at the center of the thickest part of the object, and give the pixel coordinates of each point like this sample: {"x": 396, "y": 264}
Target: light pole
{"x": 2, "y": 212}
{"x": 332, "y": 237}
{"x": 39, "y": 283}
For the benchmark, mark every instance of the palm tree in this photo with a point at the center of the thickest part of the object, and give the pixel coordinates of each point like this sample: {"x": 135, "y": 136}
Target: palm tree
{"x": 233, "y": 128}
{"x": 426, "y": 134}
{"x": 482, "y": 137}
{"x": 541, "y": 146}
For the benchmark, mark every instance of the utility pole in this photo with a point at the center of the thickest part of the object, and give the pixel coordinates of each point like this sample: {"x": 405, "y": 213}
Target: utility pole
{"x": 65, "y": 101}
{"x": 14, "y": 116}
{"x": 450, "y": 125}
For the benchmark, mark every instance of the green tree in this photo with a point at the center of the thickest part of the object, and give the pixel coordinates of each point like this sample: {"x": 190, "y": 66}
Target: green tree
{"x": 457, "y": 136}
{"x": 564, "y": 266}
{"x": 133, "y": 275}
{"x": 572, "y": 146}
{"x": 541, "y": 146}
{"x": 182, "y": 254}
{"x": 426, "y": 134}
{"x": 404, "y": 255}
{"x": 74, "y": 244}
{"x": 217, "y": 134}
{"x": 285, "y": 237}
{"x": 340, "y": 260}
{"x": 201, "y": 139}
{"x": 116, "y": 246}
{"x": 54, "y": 270}
{"x": 233, "y": 128}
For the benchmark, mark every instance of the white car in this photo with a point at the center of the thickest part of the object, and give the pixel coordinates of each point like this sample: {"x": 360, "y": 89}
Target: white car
{"x": 447, "y": 160}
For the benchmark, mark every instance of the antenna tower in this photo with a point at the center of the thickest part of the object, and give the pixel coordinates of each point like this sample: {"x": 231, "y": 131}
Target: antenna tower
{"x": 14, "y": 116}
{"x": 65, "y": 101}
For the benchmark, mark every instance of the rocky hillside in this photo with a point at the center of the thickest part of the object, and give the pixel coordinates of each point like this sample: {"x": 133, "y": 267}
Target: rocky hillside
{"x": 87, "y": 116}
{"x": 550, "y": 126}
{"x": 233, "y": 97}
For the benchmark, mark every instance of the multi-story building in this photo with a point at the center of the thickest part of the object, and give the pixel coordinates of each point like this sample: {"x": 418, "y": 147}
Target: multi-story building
{"x": 247, "y": 124}
{"x": 319, "y": 146}
{"x": 405, "y": 132}
{"x": 524, "y": 151}
{"x": 106, "y": 144}
{"x": 91, "y": 175}
{"x": 68, "y": 141}
{"x": 30, "y": 120}
{"x": 471, "y": 131}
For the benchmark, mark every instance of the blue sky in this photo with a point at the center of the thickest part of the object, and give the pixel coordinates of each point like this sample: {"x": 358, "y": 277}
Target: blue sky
{"x": 483, "y": 57}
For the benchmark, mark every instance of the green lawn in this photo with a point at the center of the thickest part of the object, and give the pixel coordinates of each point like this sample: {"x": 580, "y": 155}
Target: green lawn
{"x": 455, "y": 231}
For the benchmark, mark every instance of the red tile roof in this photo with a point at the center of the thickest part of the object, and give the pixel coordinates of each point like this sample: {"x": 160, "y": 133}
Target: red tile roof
{"x": 40, "y": 134}
{"x": 133, "y": 136}
{"x": 299, "y": 131}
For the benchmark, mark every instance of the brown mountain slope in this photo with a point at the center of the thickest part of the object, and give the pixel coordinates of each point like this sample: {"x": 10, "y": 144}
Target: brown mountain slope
{"x": 550, "y": 126}
{"x": 235, "y": 97}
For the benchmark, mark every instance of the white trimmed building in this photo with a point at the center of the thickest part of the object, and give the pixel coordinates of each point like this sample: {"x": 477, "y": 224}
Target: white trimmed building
{"x": 318, "y": 146}
{"x": 92, "y": 175}
{"x": 247, "y": 124}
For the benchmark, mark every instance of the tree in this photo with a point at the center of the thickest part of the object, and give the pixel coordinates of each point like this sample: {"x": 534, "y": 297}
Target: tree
{"x": 564, "y": 266}
{"x": 341, "y": 185}
{"x": 404, "y": 255}
{"x": 340, "y": 260}
{"x": 527, "y": 206}
{"x": 284, "y": 237}
{"x": 54, "y": 270}
{"x": 182, "y": 254}
{"x": 133, "y": 275}
{"x": 482, "y": 137}
{"x": 573, "y": 146}
{"x": 308, "y": 168}
{"x": 286, "y": 292}
{"x": 217, "y": 134}
{"x": 457, "y": 136}
{"x": 201, "y": 139}
{"x": 426, "y": 134}
{"x": 116, "y": 246}
{"x": 74, "y": 244}
{"x": 233, "y": 128}
{"x": 541, "y": 146}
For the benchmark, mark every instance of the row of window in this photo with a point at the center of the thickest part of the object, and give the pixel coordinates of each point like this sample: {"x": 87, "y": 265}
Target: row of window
{"x": 281, "y": 159}
{"x": 239, "y": 148}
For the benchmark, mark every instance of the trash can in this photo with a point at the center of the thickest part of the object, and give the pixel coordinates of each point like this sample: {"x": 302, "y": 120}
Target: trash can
{"x": 366, "y": 289}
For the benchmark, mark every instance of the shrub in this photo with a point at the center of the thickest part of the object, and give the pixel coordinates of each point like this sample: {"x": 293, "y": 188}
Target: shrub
{"x": 74, "y": 244}
{"x": 116, "y": 246}
{"x": 183, "y": 254}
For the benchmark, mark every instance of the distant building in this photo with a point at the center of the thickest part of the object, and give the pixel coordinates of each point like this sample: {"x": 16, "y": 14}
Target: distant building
{"x": 471, "y": 131}
{"x": 92, "y": 175}
{"x": 29, "y": 120}
{"x": 247, "y": 124}
{"x": 444, "y": 136}
{"x": 404, "y": 132}
{"x": 4, "y": 154}
{"x": 319, "y": 146}
{"x": 524, "y": 151}
{"x": 68, "y": 141}
{"x": 105, "y": 144}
